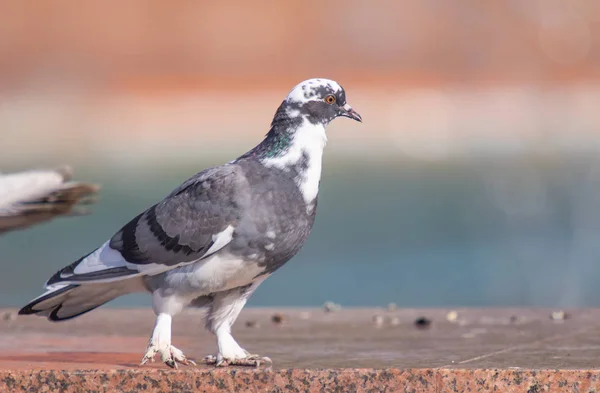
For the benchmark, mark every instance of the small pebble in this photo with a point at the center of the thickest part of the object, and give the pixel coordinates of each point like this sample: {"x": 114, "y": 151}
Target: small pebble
{"x": 277, "y": 318}
{"x": 394, "y": 321}
{"x": 9, "y": 316}
{"x": 422, "y": 323}
{"x": 378, "y": 320}
{"x": 331, "y": 307}
{"x": 251, "y": 324}
{"x": 452, "y": 316}
{"x": 391, "y": 307}
{"x": 559, "y": 315}
{"x": 513, "y": 319}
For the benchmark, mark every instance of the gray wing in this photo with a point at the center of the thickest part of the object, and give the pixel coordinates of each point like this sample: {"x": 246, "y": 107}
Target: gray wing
{"x": 195, "y": 220}
{"x": 184, "y": 226}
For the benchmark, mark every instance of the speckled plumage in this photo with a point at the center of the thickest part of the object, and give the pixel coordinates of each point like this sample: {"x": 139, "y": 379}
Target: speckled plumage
{"x": 214, "y": 239}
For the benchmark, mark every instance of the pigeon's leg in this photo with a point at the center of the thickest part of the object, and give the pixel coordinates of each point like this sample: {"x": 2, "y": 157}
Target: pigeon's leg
{"x": 160, "y": 342}
{"x": 222, "y": 313}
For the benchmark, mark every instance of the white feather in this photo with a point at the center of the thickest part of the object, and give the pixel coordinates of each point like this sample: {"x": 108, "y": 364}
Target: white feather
{"x": 220, "y": 240}
{"x": 216, "y": 273}
{"x": 311, "y": 139}
{"x": 101, "y": 259}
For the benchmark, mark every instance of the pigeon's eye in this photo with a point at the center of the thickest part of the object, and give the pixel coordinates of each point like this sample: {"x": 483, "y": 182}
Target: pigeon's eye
{"x": 330, "y": 99}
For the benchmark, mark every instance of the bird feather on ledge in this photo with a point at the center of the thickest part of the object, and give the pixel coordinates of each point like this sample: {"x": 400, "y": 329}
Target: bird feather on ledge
{"x": 31, "y": 197}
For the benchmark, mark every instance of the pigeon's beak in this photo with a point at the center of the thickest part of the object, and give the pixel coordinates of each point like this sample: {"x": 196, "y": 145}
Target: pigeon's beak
{"x": 347, "y": 111}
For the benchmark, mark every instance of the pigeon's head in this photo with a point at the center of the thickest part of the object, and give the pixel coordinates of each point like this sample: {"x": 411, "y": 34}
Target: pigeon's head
{"x": 319, "y": 101}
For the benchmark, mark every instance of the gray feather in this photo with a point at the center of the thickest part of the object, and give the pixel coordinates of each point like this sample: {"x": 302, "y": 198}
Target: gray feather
{"x": 180, "y": 228}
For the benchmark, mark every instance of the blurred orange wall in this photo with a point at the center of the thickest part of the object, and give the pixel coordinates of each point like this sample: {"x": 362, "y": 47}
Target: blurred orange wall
{"x": 196, "y": 44}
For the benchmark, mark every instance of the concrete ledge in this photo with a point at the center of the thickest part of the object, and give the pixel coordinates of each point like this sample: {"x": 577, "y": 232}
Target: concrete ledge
{"x": 360, "y": 350}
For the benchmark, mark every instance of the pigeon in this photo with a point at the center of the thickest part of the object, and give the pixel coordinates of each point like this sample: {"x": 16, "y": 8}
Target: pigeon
{"x": 34, "y": 196}
{"x": 213, "y": 240}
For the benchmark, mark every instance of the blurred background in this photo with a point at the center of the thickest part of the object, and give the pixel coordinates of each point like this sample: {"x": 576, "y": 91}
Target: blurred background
{"x": 473, "y": 181}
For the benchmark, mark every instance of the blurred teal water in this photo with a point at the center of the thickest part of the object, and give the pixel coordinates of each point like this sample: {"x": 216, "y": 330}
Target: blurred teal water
{"x": 477, "y": 232}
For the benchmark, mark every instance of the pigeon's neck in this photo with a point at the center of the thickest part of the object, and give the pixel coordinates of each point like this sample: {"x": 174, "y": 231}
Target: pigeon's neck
{"x": 296, "y": 148}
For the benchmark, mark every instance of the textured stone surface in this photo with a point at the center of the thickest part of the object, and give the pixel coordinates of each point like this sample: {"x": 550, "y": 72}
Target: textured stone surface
{"x": 302, "y": 380}
{"x": 517, "y": 381}
{"x": 220, "y": 381}
{"x": 481, "y": 350}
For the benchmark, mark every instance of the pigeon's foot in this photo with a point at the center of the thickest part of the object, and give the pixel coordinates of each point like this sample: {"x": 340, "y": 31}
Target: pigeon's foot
{"x": 170, "y": 355}
{"x": 247, "y": 361}
{"x": 231, "y": 354}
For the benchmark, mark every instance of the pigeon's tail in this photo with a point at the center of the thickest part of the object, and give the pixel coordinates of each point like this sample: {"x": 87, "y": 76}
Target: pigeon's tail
{"x": 65, "y": 301}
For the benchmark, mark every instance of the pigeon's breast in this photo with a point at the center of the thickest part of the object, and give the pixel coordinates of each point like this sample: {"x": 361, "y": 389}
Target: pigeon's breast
{"x": 276, "y": 222}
